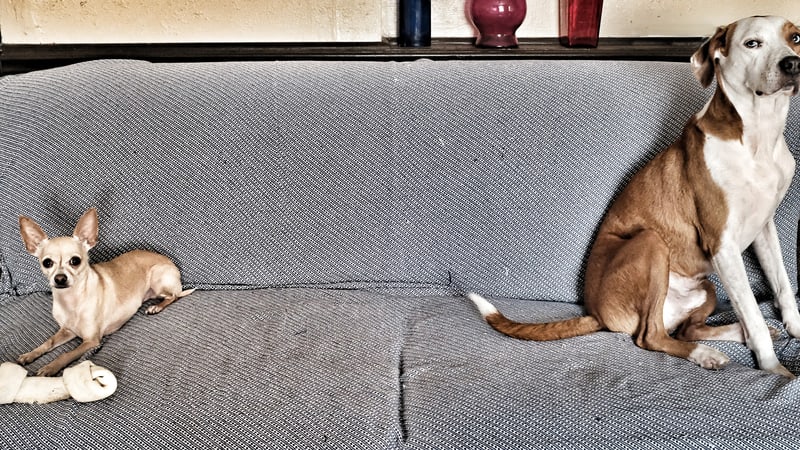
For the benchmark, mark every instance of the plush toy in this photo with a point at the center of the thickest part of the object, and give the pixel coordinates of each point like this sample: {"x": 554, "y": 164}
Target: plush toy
{"x": 85, "y": 382}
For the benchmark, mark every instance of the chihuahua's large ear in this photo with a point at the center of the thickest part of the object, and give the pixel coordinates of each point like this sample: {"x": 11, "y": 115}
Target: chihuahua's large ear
{"x": 86, "y": 229}
{"x": 32, "y": 234}
{"x": 704, "y": 59}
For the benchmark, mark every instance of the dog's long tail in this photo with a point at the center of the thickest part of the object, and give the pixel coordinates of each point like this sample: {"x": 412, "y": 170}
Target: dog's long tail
{"x": 550, "y": 331}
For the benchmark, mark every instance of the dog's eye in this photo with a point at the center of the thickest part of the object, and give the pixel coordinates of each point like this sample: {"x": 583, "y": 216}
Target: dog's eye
{"x": 752, "y": 43}
{"x": 796, "y": 38}
{"x": 74, "y": 261}
{"x": 47, "y": 263}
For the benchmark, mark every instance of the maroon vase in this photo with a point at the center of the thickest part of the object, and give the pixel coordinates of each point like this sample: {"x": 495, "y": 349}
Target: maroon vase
{"x": 579, "y": 22}
{"x": 496, "y": 21}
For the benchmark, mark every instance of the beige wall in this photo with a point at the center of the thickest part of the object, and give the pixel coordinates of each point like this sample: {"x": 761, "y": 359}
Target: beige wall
{"x": 109, "y": 21}
{"x": 115, "y": 21}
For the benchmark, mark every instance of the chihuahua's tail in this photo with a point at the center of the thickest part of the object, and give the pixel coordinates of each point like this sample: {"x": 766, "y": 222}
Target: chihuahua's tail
{"x": 550, "y": 331}
{"x": 186, "y": 292}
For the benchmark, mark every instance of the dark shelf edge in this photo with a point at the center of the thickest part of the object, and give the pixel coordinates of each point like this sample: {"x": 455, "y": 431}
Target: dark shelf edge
{"x": 18, "y": 58}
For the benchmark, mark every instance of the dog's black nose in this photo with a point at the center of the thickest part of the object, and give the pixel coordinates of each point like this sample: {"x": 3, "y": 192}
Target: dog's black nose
{"x": 790, "y": 65}
{"x": 60, "y": 280}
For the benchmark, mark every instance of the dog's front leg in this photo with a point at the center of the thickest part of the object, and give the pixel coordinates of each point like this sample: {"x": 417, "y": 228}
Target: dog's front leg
{"x": 729, "y": 266}
{"x": 62, "y": 336}
{"x": 64, "y": 359}
{"x": 768, "y": 250}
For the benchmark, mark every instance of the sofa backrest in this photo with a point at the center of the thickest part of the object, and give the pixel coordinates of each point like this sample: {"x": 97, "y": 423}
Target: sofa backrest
{"x": 491, "y": 176}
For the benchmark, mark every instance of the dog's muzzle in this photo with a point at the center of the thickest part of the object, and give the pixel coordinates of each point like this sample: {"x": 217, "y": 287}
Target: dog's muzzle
{"x": 790, "y": 70}
{"x": 60, "y": 281}
{"x": 790, "y": 65}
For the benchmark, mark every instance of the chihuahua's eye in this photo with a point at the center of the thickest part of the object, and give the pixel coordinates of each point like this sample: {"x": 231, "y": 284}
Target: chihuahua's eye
{"x": 74, "y": 261}
{"x": 752, "y": 43}
{"x": 796, "y": 38}
{"x": 47, "y": 263}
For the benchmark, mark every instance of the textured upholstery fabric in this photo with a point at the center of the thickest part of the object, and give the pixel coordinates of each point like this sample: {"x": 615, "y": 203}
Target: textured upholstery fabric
{"x": 331, "y": 212}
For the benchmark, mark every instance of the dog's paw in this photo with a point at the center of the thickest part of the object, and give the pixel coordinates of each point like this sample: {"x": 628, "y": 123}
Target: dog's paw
{"x": 778, "y": 369}
{"x": 47, "y": 371}
{"x": 774, "y": 333}
{"x": 155, "y": 309}
{"x": 708, "y": 358}
{"x": 793, "y": 328}
{"x": 27, "y": 358}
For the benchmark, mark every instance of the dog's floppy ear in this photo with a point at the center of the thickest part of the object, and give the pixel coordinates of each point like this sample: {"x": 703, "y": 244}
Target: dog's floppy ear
{"x": 86, "y": 229}
{"x": 32, "y": 234}
{"x": 703, "y": 60}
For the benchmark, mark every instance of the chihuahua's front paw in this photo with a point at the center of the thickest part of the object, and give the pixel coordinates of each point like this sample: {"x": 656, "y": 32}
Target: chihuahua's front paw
{"x": 48, "y": 371}
{"x": 27, "y": 358}
{"x": 155, "y": 309}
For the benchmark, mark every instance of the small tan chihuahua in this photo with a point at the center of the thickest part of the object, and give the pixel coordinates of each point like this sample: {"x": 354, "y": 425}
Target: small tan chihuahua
{"x": 91, "y": 301}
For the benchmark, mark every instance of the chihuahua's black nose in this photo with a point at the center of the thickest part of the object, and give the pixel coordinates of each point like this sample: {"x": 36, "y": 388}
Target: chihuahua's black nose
{"x": 790, "y": 65}
{"x": 60, "y": 280}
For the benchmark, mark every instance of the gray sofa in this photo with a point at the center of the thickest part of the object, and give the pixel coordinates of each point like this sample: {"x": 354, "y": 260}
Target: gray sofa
{"x": 331, "y": 215}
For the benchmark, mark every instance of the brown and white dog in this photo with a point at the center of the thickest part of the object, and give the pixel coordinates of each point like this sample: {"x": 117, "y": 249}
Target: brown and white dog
{"x": 694, "y": 208}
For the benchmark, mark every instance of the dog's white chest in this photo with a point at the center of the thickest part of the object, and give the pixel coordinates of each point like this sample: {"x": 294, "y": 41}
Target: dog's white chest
{"x": 59, "y": 314}
{"x": 753, "y": 184}
{"x": 70, "y": 310}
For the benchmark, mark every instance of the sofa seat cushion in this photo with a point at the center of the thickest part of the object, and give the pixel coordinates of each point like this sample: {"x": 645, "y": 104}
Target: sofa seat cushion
{"x": 264, "y": 368}
{"x": 464, "y": 382}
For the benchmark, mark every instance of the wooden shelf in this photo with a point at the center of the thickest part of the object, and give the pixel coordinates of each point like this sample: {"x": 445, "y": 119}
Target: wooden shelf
{"x": 18, "y": 58}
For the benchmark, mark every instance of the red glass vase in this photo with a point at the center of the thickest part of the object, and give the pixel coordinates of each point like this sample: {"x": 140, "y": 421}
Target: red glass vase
{"x": 579, "y": 22}
{"x": 496, "y": 21}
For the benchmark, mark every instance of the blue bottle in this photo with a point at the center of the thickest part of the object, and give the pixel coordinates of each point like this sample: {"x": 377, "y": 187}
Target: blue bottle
{"x": 415, "y": 23}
